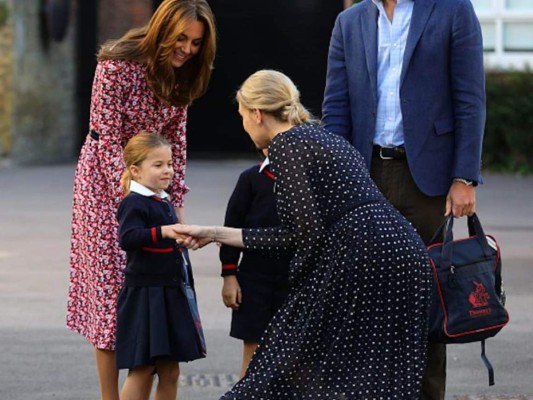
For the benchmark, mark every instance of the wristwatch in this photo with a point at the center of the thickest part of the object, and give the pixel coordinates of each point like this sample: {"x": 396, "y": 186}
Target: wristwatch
{"x": 465, "y": 181}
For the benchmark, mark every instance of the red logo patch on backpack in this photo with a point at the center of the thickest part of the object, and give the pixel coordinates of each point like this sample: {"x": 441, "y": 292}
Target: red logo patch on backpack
{"x": 479, "y": 298}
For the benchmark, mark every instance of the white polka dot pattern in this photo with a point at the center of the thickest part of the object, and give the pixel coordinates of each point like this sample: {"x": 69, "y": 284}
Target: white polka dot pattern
{"x": 354, "y": 325}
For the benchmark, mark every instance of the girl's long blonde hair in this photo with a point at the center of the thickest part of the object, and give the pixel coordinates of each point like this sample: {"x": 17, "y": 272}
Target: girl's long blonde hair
{"x": 153, "y": 44}
{"x": 273, "y": 92}
{"x": 136, "y": 151}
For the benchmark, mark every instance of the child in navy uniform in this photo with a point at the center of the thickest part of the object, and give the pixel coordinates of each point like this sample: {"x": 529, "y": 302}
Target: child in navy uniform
{"x": 256, "y": 287}
{"x": 155, "y": 327}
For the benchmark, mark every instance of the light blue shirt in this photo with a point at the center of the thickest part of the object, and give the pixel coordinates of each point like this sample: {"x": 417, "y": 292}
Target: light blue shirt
{"x": 392, "y": 37}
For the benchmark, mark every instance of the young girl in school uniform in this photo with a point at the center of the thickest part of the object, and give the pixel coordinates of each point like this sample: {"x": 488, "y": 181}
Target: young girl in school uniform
{"x": 155, "y": 327}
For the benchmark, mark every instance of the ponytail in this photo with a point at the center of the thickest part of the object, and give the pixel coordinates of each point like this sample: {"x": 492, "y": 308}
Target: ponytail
{"x": 295, "y": 113}
{"x": 125, "y": 182}
{"x": 274, "y": 93}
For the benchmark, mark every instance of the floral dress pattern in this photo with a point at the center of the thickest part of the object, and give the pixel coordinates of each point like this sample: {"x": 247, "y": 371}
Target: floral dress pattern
{"x": 122, "y": 105}
{"x": 354, "y": 325}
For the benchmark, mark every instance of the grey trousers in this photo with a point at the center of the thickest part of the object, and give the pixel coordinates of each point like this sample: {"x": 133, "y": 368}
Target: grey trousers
{"x": 426, "y": 214}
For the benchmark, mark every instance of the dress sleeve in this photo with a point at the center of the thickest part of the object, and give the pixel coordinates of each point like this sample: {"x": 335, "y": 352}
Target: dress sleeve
{"x": 175, "y": 132}
{"x": 298, "y": 198}
{"x": 109, "y": 93}
{"x": 236, "y": 211}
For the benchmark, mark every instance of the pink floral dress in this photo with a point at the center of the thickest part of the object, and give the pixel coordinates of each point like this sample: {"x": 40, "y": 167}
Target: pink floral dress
{"x": 121, "y": 106}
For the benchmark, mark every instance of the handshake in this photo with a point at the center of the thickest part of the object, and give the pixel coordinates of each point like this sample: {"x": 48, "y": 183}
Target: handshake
{"x": 195, "y": 237}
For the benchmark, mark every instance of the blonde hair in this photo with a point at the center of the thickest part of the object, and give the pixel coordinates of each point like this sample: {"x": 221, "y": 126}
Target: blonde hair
{"x": 274, "y": 93}
{"x": 136, "y": 151}
{"x": 153, "y": 44}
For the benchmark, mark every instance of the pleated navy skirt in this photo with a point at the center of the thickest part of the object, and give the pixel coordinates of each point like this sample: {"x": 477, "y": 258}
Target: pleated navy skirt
{"x": 154, "y": 323}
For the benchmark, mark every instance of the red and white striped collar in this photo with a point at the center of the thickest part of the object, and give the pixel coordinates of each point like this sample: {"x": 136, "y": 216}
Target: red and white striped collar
{"x": 264, "y": 164}
{"x": 263, "y": 169}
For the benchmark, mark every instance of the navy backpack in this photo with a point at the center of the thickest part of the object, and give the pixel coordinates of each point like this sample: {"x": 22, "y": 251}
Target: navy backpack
{"x": 468, "y": 301}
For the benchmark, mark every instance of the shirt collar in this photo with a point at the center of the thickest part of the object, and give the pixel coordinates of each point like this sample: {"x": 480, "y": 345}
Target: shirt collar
{"x": 144, "y": 191}
{"x": 381, "y": 1}
{"x": 264, "y": 164}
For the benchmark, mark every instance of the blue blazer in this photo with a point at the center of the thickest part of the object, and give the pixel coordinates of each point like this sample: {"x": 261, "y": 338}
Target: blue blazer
{"x": 442, "y": 89}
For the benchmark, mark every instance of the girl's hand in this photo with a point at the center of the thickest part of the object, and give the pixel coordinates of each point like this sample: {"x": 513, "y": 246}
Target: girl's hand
{"x": 193, "y": 243}
{"x": 167, "y": 231}
{"x": 198, "y": 236}
{"x": 193, "y": 236}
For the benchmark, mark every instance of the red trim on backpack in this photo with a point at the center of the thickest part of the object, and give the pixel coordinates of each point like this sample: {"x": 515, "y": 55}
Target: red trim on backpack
{"x": 441, "y": 298}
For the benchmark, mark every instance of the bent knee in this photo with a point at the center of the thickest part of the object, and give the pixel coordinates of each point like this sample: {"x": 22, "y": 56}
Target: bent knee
{"x": 168, "y": 371}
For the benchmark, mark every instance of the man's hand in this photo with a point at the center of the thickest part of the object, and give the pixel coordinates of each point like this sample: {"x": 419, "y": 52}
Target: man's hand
{"x": 461, "y": 200}
{"x": 231, "y": 292}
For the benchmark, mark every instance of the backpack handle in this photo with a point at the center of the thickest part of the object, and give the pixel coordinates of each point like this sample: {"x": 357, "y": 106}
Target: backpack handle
{"x": 446, "y": 231}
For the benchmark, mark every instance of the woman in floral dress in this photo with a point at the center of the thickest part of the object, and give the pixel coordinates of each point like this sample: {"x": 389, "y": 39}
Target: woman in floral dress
{"x": 144, "y": 81}
{"x": 354, "y": 325}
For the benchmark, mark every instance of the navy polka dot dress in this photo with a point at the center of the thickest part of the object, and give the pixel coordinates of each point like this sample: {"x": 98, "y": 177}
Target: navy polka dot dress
{"x": 354, "y": 324}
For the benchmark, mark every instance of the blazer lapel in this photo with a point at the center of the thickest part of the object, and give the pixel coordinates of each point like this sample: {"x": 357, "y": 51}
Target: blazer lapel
{"x": 369, "y": 28}
{"x": 421, "y": 11}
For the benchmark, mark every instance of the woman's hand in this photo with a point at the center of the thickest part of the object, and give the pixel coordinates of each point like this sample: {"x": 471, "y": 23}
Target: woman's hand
{"x": 167, "y": 231}
{"x": 194, "y": 236}
{"x": 197, "y": 236}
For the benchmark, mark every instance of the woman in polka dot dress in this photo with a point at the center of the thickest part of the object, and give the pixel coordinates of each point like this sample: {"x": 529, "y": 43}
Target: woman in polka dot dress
{"x": 143, "y": 82}
{"x": 354, "y": 324}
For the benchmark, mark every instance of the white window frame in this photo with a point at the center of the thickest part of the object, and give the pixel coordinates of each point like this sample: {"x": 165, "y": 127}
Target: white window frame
{"x": 498, "y": 15}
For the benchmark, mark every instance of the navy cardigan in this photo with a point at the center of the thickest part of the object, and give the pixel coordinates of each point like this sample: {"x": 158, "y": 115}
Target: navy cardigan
{"x": 151, "y": 260}
{"x": 252, "y": 205}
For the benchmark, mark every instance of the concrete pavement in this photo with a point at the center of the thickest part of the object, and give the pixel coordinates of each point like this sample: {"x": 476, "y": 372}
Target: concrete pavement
{"x": 41, "y": 359}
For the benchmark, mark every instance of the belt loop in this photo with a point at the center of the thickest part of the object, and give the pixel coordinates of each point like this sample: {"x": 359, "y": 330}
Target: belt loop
{"x": 95, "y": 135}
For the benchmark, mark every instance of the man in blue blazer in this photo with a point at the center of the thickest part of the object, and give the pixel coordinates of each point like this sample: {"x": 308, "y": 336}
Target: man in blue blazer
{"x": 405, "y": 85}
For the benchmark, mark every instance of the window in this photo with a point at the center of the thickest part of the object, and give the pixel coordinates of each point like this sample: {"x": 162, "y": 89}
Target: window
{"x": 483, "y": 5}
{"x": 489, "y": 35}
{"x": 518, "y": 36}
{"x": 519, "y": 5}
{"x": 507, "y": 27}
